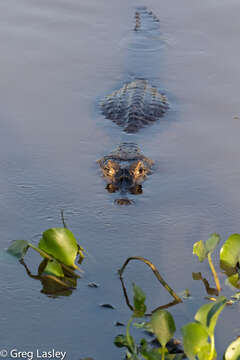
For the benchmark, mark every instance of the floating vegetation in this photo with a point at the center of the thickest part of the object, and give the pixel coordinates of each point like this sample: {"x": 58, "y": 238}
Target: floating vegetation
{"x": 229, "y": 261}
{"x": 155, "y": 271}
{"x": 60, "y": 250}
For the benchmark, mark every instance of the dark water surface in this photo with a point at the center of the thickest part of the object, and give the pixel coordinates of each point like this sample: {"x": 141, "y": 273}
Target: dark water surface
{"x": 58, "y": 59}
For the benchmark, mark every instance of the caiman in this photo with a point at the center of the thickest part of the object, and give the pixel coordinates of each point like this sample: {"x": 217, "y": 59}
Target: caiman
{"x": 125, "y": 169}
{"x": 137, "y": 103}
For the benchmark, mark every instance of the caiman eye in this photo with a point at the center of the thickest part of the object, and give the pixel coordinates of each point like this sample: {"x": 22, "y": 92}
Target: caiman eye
{"x": 139, "y": 171}
{"x": 110, "y": 172}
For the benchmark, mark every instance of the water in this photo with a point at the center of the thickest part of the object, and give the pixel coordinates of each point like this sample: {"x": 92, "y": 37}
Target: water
{"x": 58, "y": 59}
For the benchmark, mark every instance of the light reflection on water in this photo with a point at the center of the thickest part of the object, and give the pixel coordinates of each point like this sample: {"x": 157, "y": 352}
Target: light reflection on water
{"x": 57, "y": 58}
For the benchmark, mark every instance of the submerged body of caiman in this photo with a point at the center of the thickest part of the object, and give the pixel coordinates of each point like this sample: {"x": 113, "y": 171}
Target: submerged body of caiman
{"x": 133, "y": 106}
{"x": 137, "y": 103}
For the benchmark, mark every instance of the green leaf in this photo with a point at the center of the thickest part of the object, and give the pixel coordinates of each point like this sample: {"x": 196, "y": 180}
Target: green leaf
{"x": 205, "y": 352}
{"x": 233, "y": 281}
{"x": 149, "y": 353}
{"x": 121, "y": 341}
{"x": 195, "y": 338}
{"x": 230, "y": 254}
{"x": 175, "y": 356}
{"x": 18, "y": 248}
{"x": 163, "y": 326}
{"x": 208, "y": 314}
{"x": 54, "y": 268}
{"x": 233, "y": 350}
{"x": 61, "y": 244}
{"x": 212, "y": 242}
{"x": 139, "y": 301}
{"x": 200, "y": 250}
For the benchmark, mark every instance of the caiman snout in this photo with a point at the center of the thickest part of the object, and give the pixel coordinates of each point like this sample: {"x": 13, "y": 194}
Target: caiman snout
{"x": 125, "y": 169}
{"x": 124, "y": 179}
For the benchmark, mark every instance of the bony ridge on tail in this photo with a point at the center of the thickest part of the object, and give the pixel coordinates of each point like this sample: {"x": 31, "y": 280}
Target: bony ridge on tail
{"x": 137, "y": 103}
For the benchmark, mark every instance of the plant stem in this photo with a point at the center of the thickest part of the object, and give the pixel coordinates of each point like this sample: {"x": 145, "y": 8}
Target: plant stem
{"x": 212, "y": 347}
{"x": 128, "y": 333}
{"x": 41, "y": 252}
{"x": 163, "y": 353}
{"x": 156, "y": 273}
{"x": 217, "y": 282}
{"x": 63, "y": 220}
{"x": 50, "y": 258}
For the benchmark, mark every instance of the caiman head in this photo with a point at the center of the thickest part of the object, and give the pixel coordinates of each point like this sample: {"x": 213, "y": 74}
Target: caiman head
{"x": 125, "y": 169}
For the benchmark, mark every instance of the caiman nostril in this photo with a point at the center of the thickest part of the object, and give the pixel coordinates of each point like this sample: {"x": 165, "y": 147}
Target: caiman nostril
{"x": 126, "y": 160}
{"x": 124, "y": 201}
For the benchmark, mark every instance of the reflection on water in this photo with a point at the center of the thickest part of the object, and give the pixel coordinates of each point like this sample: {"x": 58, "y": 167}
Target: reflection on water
{"x": 156, "y": 273}
{"x": 209, "y": 290}
{"x": 57, "y": 58}
{"x": 53, "y": 286}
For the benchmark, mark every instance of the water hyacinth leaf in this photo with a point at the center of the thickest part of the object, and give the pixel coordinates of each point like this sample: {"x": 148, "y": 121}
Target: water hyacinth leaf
{"x": 205, "y": 352}
{"x": 18, "y": 248}
{"x": 233, "y": 281}
{"x": 202, "y": 313}
{"x": 175, "y": 356}
{"x": 195, "y": 338}
{"x": 149, "y": 353}
{"x": 214, "y": 313}
{"x": 61, "y": 244}
{"x": 200, "y": 250}
{"x": 139, "y": 301}
{"x": 208, "y": 314}
{"x": 233, "y": 350}
{"x": 163, "y": 326}
{"x": 121, "y": 341}
{"x": 54, "y": 268}
{"x": 154, "y": 354}
{"x": 230, "y": 254}
{"x": 212, "y": 242}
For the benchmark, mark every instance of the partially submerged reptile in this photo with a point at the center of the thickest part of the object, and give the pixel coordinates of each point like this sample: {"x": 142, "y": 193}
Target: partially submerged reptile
{"x": 137, "y": 103}
{"x": 125, "y": 169}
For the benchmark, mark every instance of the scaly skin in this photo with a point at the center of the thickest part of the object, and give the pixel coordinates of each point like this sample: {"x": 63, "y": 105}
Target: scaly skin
{"x": 125, "y": 169}
{"x": 138, "y": 103}
{"x": 135, "y": 105}
{"x": 145, "y": 16}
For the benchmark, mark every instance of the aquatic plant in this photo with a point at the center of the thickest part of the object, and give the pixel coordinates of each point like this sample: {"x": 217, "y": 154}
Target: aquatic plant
{"x": 161, "y": 324}
{"x": 229, "y": 258}
{"x": 204, "y": 250}
{"x": 196, "y": 335}
{"x": 57, "y": 246}
{"x": 233, "y": 350}
{"x": 176, "y": 297}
